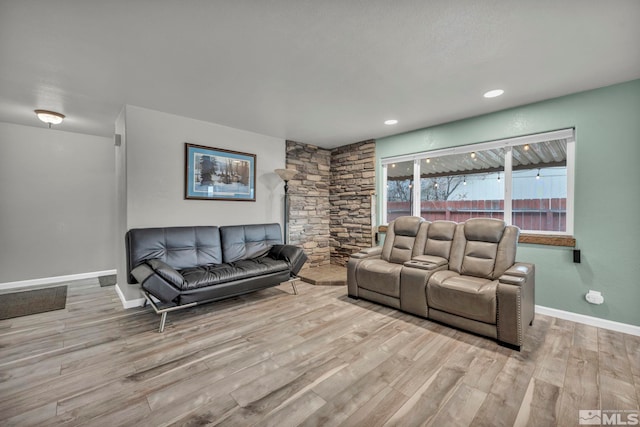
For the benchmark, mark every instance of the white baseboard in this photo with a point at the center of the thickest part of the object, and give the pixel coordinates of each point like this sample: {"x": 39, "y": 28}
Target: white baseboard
{"x": 56, "y": 279}
{"x": 589, "y": 320}
{"x": 138, "y": 302}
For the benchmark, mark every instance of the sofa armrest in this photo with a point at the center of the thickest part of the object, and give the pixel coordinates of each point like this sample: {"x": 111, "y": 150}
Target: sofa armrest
{"x": 516, "y": 302}
{"x": 519, "y": 269}
{"x": 293, "y": 255}
{"x": 167, "y": 272}
{"x": 154, "y": 283}
{"x": 517, "y": 274}
{"x": 354, "y": 261}
{"x": 375, "y": 251}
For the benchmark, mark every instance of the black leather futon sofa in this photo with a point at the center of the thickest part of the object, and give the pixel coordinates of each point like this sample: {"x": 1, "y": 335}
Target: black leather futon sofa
{"x": 184, "y": 266}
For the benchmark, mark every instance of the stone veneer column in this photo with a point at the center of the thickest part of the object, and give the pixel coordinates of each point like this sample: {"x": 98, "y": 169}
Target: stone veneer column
{"x": 309, "y": 201}
{"x": 352, "y": 185}
{"x": 330, "y": 200}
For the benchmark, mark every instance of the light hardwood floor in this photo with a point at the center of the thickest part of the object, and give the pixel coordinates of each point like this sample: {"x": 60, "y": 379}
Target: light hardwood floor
{"x": 317, "y": 359}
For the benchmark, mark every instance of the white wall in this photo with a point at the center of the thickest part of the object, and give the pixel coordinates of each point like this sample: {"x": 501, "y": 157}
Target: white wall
{"x": 154, "y": 144}
{"x": 155, "y": 172}
{"x": 126, "y": 292}
{"x": 57, "y": 198}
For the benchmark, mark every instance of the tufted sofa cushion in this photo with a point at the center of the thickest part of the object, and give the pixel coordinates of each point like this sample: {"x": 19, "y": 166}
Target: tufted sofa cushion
{"x": 179, "y": 247}
{"x": 248, "y": 241}
{"x": 207, "y": 275}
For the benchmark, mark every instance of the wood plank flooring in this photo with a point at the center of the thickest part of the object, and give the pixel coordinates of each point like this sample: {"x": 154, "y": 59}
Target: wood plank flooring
{"x": 317, "y": 359}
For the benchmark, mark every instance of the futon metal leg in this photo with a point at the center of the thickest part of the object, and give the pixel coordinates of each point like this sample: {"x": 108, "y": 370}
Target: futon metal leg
{"x": 293, "y": 281}
{"x": 163, "y": 318}
{"x": 163, "y": 312}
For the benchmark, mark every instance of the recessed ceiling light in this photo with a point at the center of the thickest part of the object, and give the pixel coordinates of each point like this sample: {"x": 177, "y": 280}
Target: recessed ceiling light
{"x": 390, "y": 122}
{"x": 493, "y": 93}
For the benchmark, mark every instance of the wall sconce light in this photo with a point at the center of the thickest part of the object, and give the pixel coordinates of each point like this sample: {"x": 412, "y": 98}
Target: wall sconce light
{"x": 49, "y": 117}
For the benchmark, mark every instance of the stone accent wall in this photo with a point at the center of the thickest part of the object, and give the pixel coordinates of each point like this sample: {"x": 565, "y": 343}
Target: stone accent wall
{"x": 330, "y": 200}
{"x": 309, "y": 201}
{"x": 353, "y": 178}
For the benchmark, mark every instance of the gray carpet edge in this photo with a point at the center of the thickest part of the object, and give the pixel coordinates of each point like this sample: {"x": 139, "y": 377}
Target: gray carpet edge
{"x": 25, "y": 303}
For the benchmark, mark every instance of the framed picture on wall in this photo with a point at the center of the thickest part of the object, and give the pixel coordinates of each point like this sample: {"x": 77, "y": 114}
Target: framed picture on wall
{"x": 217, "y": 174}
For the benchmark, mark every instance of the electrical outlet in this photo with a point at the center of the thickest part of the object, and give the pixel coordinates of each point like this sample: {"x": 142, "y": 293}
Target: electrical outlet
{"x": 594, "y": 297}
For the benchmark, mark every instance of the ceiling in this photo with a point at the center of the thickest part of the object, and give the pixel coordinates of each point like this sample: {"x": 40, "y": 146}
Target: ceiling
{"x": 320, "y": 72}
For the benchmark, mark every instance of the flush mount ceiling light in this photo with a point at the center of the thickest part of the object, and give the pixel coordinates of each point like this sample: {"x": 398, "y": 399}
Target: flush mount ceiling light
{"x": 390, "y": 122}
{"x": 49, "y": 117}
{"x": 493, "y": 93}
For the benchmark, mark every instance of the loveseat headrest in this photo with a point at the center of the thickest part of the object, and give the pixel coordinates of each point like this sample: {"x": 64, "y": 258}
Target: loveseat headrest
{"x": 442, "y": 230}
{"x": 484, "y": 229}
{"x": 407, "y": 225}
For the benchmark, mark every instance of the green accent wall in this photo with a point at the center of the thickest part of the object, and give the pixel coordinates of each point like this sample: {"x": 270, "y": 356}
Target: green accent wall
{"x": 607, "y": 193}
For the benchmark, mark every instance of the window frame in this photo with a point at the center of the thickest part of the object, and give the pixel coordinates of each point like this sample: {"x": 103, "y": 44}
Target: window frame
{"x": 567, "y": 134}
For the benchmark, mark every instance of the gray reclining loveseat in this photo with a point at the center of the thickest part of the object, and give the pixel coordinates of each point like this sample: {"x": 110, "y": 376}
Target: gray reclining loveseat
{"x": 464, "y": 275}
{"x": 184, "y": 266}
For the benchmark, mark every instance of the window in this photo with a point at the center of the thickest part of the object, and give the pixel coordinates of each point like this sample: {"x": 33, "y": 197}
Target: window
{"x": 457, "y": 187}
{"x": 527, "y": 181}
{"x": 399, "y": 190}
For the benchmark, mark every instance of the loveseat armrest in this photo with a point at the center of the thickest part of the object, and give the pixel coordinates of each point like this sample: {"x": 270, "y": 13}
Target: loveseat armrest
{"x": 375, "y": 251}
{"x": 516, "y": 302}
{"x": 293, "y": 255}
{"x": 518, "y": 274}
{"x": 354, "y": 261}
{"x": 154, "y": 283}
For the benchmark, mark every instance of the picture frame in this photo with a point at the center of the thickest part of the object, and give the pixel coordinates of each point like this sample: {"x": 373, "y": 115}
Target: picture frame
{"x": 218, "y": 174}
